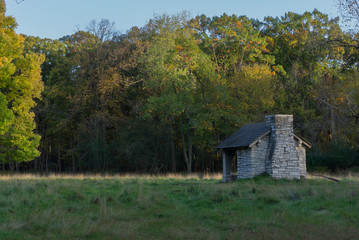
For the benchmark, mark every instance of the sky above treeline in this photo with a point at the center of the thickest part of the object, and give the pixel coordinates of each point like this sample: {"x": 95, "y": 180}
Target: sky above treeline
{"x": 57, "y": 18}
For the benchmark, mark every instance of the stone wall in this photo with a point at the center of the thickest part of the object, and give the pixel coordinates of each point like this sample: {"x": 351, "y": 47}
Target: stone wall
{"x": 302, "y": 157}
{"x": 259, "y": 155}
{"x": 302, "y": 163}
{"x": 244, "y": 164}
{"x": 283, "y": 158}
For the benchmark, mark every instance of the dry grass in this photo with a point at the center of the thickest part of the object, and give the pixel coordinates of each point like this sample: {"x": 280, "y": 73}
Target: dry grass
{"x": 209, "y": 176}
{"x": 10, "y": 176}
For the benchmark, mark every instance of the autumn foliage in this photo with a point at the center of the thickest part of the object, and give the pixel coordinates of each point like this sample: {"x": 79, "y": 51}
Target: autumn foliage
{"x": 159, "y": 97}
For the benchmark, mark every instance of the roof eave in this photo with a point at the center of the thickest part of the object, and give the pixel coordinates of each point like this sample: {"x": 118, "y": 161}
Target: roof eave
{"x": 258, "y": 139}
{"x": 305, "y": 142}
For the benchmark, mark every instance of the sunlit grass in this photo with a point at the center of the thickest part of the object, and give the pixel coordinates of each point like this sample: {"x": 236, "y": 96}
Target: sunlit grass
{"x": 214, "y": 176}
{"x": 9, "y": 176}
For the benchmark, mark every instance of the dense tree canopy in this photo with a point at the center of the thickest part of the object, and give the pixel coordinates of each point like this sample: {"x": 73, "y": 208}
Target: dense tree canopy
{"x": 160, "y": 97}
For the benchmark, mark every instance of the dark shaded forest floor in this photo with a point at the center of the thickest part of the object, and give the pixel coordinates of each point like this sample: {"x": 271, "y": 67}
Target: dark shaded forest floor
{"x": 175, "y": 207}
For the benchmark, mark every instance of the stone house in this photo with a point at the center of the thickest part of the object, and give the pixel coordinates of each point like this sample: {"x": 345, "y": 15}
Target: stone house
{"x": 269, "y": 147}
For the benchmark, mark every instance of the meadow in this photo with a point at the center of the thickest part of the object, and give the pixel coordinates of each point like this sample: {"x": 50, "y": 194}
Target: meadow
{"x": 177, "y": 207}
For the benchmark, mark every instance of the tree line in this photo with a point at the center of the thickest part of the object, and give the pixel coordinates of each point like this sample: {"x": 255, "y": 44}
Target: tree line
{"x": 159, "y": 98}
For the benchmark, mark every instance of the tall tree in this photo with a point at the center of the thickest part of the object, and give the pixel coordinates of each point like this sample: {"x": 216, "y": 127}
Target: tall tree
{"x": 20, "y": 85}
{"x": 184, "y": 84}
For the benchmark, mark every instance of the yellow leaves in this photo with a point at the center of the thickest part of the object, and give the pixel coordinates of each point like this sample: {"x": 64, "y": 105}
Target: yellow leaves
{"x": 255, "y": 87}
{"x": 339, "y": 50}
{"x": 340, "y": 99}
{"x": 293, "y": 43}
{"x": 4, "y": 61}
{"x": 232, "y": 33}
{"x": 270, "y": 41}
{"x": 179, "y": 48}
{"x": 257, "y": 72}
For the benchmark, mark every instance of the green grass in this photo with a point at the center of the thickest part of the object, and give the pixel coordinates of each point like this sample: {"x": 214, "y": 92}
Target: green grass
{"x": 177, "y": 208}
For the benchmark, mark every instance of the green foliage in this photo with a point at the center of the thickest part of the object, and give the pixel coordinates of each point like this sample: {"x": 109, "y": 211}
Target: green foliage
{"x": 20, "y": 85}
{"x": 6, "y": 115}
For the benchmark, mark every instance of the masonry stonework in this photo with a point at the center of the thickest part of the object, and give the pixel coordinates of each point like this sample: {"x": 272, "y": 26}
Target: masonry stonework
{"x": 270, "y": 147}
{"x": 282, "y": 155}
{"x": 244, "y": 164}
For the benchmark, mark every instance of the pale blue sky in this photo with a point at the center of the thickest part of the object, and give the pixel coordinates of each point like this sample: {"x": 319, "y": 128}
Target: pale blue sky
{"x": 56, "y": 18}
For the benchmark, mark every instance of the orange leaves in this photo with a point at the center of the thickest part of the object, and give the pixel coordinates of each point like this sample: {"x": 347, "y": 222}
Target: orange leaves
{"x": 238, "y": 24}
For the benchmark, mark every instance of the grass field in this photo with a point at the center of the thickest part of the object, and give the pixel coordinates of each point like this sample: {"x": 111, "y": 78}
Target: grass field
{"x": 176, "y": 207}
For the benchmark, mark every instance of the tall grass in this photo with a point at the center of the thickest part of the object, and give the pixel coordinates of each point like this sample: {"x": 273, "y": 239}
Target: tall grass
{"x": 176, "y": 206}
{"x": 8, "y": 176}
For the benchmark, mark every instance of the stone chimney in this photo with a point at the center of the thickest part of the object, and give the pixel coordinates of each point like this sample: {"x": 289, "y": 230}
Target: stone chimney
{"x": 282, "y": 157}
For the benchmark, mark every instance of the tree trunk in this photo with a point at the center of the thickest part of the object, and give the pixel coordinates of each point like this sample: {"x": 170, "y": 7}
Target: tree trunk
{"x": 202, "y": 162}
{"x": 187, "y": 158}
{"x": 173, "y": 157}
{"x": 36, "y": 163}
{"x": 104, "y": 149}
{"x": 73, "y": 157}
{"x": 97, "y": 140}
{"x": 11, "y": 166}
{"x": 59, "y": 160}
{"x": 41, "y": 163}
{"x": 189, "y": 164}
{"x": 46, "y": 161}
{"x": 332, "y": 124}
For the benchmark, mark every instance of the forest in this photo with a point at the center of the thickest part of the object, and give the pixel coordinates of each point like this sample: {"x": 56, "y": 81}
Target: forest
{"x": 160, "y": 97}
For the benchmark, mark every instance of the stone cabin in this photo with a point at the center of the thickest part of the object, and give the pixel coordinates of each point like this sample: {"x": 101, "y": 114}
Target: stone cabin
{"x": 268, "y": 147}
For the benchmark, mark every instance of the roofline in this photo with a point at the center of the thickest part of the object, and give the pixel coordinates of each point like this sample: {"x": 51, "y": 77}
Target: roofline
{"x": 258, "y": 139}
{"x": 232, "y": 148}
{"x": 305, "y": 142}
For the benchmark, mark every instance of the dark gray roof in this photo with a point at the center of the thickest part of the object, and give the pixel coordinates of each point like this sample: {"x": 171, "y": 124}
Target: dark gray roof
{"x": 245, "y": 136}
